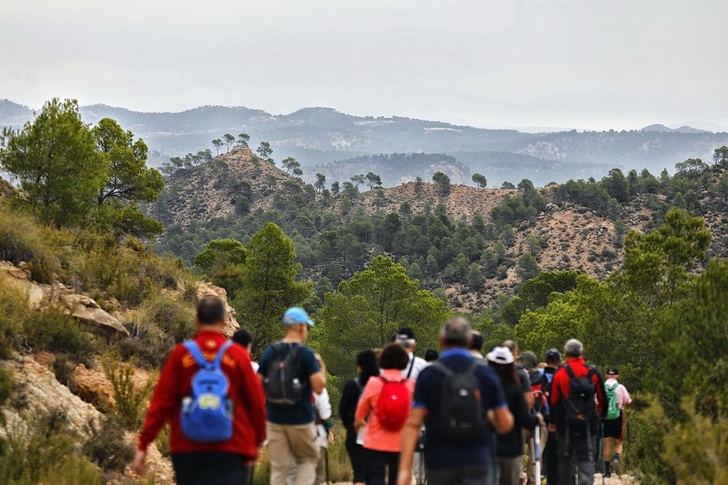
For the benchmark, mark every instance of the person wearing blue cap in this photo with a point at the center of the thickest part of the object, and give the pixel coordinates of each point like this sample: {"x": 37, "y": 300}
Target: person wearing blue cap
{"x": 291, "y": 374}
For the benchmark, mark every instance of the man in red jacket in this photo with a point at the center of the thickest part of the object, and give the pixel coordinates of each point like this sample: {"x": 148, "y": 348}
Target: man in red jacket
{"x": 576, "y": 421}
{"x": 223, "y": 463}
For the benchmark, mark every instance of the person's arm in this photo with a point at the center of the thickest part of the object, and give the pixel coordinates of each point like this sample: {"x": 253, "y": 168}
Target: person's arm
{"x": 410, "y": 437}
{"x": 526, "y": 388}
{"x": 502, "y": 420}
{"x": 318, "y": 382}
{"x": 323, "y": 405}
{"x": 251, "y": 388}
{"x": 627, "y": 399}
{"x": 161, "y": 406}
{"x": 522, "y": 417}
{"x": 365, "y": 405}
{"x": 316, "y": 372}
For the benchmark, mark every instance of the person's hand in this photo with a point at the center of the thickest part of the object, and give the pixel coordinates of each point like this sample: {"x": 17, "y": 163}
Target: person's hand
{"x": 552, "y": 428}
{"x": 539, "y": 416}
{"x": 138, "y": 465}
{"x": 404, "y": 477}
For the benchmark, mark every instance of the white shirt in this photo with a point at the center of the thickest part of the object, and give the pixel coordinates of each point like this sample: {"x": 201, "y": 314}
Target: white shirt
{"x": 416, "y": 364}
{"x": 323, "y": 412}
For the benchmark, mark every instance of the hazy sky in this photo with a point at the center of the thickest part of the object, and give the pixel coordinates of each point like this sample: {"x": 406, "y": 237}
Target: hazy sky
{"x": 527, "y": 63}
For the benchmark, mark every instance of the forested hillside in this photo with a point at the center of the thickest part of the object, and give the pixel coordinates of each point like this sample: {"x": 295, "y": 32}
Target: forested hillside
{"x": 472, "y": 244}
{"x": 103, "y": 260}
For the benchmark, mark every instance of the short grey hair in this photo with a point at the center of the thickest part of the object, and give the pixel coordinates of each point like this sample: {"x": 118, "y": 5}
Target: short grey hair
{"x": 573, "y": 348}
{"x": 456, "y": 332}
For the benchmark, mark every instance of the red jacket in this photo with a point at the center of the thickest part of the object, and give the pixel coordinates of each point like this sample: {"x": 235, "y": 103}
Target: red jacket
{"x": 246, "y": 392}
{"x": 560, "y": 386}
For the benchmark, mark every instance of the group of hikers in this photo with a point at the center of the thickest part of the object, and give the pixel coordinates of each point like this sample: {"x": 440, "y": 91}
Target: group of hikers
{"x": 454, "y": 417}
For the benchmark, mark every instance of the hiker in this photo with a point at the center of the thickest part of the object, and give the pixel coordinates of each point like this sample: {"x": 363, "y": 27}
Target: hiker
{"x": 476, "y": 345}
{"x": 245, "y": 339}
{"x": 431, "y": 355}
{"x": 367, "y": 367}
{"x": 205, "y": 440}
{"x": 510, "y": 445}
{"x": 550, "y": 455}
{"x": 383, "y": 409}
{"x": 406, "y": 338}
{"x": 618, "y": 399}
{"x": 529, "y": 361}
{"x": 576, "y": 414}
{"x": 291, "y": 374}
{"x": 455, "y": 398}
{"x": 522, "y": 373}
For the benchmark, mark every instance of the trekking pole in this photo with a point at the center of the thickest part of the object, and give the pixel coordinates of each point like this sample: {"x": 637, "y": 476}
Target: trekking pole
{"x": 537, "y": 454}
{"x": 601, "y": 449}
{"x": 326, "y": 464}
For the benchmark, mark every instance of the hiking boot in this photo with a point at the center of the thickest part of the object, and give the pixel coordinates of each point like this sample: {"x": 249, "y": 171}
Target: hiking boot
{"x": 607, "y": 469}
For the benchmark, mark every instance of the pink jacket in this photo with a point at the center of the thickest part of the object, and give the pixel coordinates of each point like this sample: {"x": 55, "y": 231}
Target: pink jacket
{"x": 377, "y": 437}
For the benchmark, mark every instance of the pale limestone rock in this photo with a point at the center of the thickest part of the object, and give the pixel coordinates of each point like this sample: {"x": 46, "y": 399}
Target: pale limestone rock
{"x": 204, "y": 288}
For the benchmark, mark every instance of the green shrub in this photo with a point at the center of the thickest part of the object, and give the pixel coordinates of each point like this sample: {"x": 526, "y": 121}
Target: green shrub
{"x": 28, "y": 454}
{"x": 73, "y": 470}
{"x": 52, "y": 329}
{"x": 129, "y": 400}
{"x": 23, "y": 239}
{"x": 107, "y": 447}
{"x": 13, "y": 310}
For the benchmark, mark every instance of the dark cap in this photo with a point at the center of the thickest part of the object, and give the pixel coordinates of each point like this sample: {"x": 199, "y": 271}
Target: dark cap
{"x": 613, "y": 371}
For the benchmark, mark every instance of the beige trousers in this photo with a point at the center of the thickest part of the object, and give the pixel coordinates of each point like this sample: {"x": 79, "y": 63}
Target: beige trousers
{"x": 292, "y": 444}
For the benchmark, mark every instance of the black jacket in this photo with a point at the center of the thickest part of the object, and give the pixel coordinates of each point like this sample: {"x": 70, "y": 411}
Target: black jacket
{"x": 347, "y": 404}
{"x": 510, "y": 444}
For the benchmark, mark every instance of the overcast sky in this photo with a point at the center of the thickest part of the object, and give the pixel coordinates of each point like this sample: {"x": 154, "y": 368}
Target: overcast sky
{"x": 490, "y": 63}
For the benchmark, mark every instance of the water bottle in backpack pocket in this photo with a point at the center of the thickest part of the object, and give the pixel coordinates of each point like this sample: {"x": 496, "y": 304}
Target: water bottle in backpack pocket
{"x": 207, "y": 413}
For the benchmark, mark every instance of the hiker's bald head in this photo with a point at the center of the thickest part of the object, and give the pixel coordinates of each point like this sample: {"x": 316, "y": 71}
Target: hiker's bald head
{"x": 456, "y": 333}
{"x": 211, "y": 311}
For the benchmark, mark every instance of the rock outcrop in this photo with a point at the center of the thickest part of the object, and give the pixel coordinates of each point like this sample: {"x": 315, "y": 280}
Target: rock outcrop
{"x": 204, "y": 289}
{"x": 81, "y": 307}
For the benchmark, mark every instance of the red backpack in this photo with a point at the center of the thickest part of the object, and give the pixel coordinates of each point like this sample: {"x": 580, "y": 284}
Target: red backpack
{"x": 393, "y": 405}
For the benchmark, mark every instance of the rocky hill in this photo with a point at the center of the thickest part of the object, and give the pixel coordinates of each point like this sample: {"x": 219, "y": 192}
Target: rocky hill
{"x": 568, "y": 235}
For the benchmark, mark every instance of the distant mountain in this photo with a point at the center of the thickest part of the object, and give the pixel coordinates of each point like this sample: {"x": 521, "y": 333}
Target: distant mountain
{"x": 395, "y": 168}
{"x": 319, "y": 136}
{"x": 660, "y": 128}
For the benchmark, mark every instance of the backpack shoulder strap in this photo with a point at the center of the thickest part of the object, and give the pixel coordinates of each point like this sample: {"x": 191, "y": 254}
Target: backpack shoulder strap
{"x": 411, "y": 366}
{"x": 194, "y": 349}
{"x": 570, "y": 371}
{"x": 217, "y": 362}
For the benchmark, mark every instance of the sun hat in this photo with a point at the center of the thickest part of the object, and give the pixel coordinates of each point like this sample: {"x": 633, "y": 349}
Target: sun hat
{"x": 500, "y": 355}
{"x": 296, "y": 316}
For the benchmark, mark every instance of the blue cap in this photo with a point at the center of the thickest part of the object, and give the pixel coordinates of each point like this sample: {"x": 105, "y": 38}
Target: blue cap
{"x": 296, "y": 316}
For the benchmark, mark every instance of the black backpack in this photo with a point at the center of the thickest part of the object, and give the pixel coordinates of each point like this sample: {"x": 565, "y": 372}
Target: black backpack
{"x": 282, "y": 383}
{"x": 461, "y": 416}
{"x": 579, "y": 406}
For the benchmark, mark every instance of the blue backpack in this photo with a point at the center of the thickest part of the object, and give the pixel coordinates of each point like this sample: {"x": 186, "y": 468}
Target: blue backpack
{"x": 207, "y": 412}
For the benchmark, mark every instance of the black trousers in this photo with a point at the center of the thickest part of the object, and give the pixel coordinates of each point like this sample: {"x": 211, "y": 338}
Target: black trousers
{"x": 380, "y": 466}
{"x": 357, "y": 456}
{"x": 576, "y": 458}
{"x": 210, "y": 469}
{"x": 551, "y": 459}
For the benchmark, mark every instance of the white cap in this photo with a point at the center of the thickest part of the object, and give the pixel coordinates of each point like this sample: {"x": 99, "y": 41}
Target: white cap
{"x": 500, "y": 355}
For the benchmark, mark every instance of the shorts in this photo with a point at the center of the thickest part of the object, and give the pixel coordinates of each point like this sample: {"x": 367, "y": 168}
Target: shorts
{"x": 613, "y": 428}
